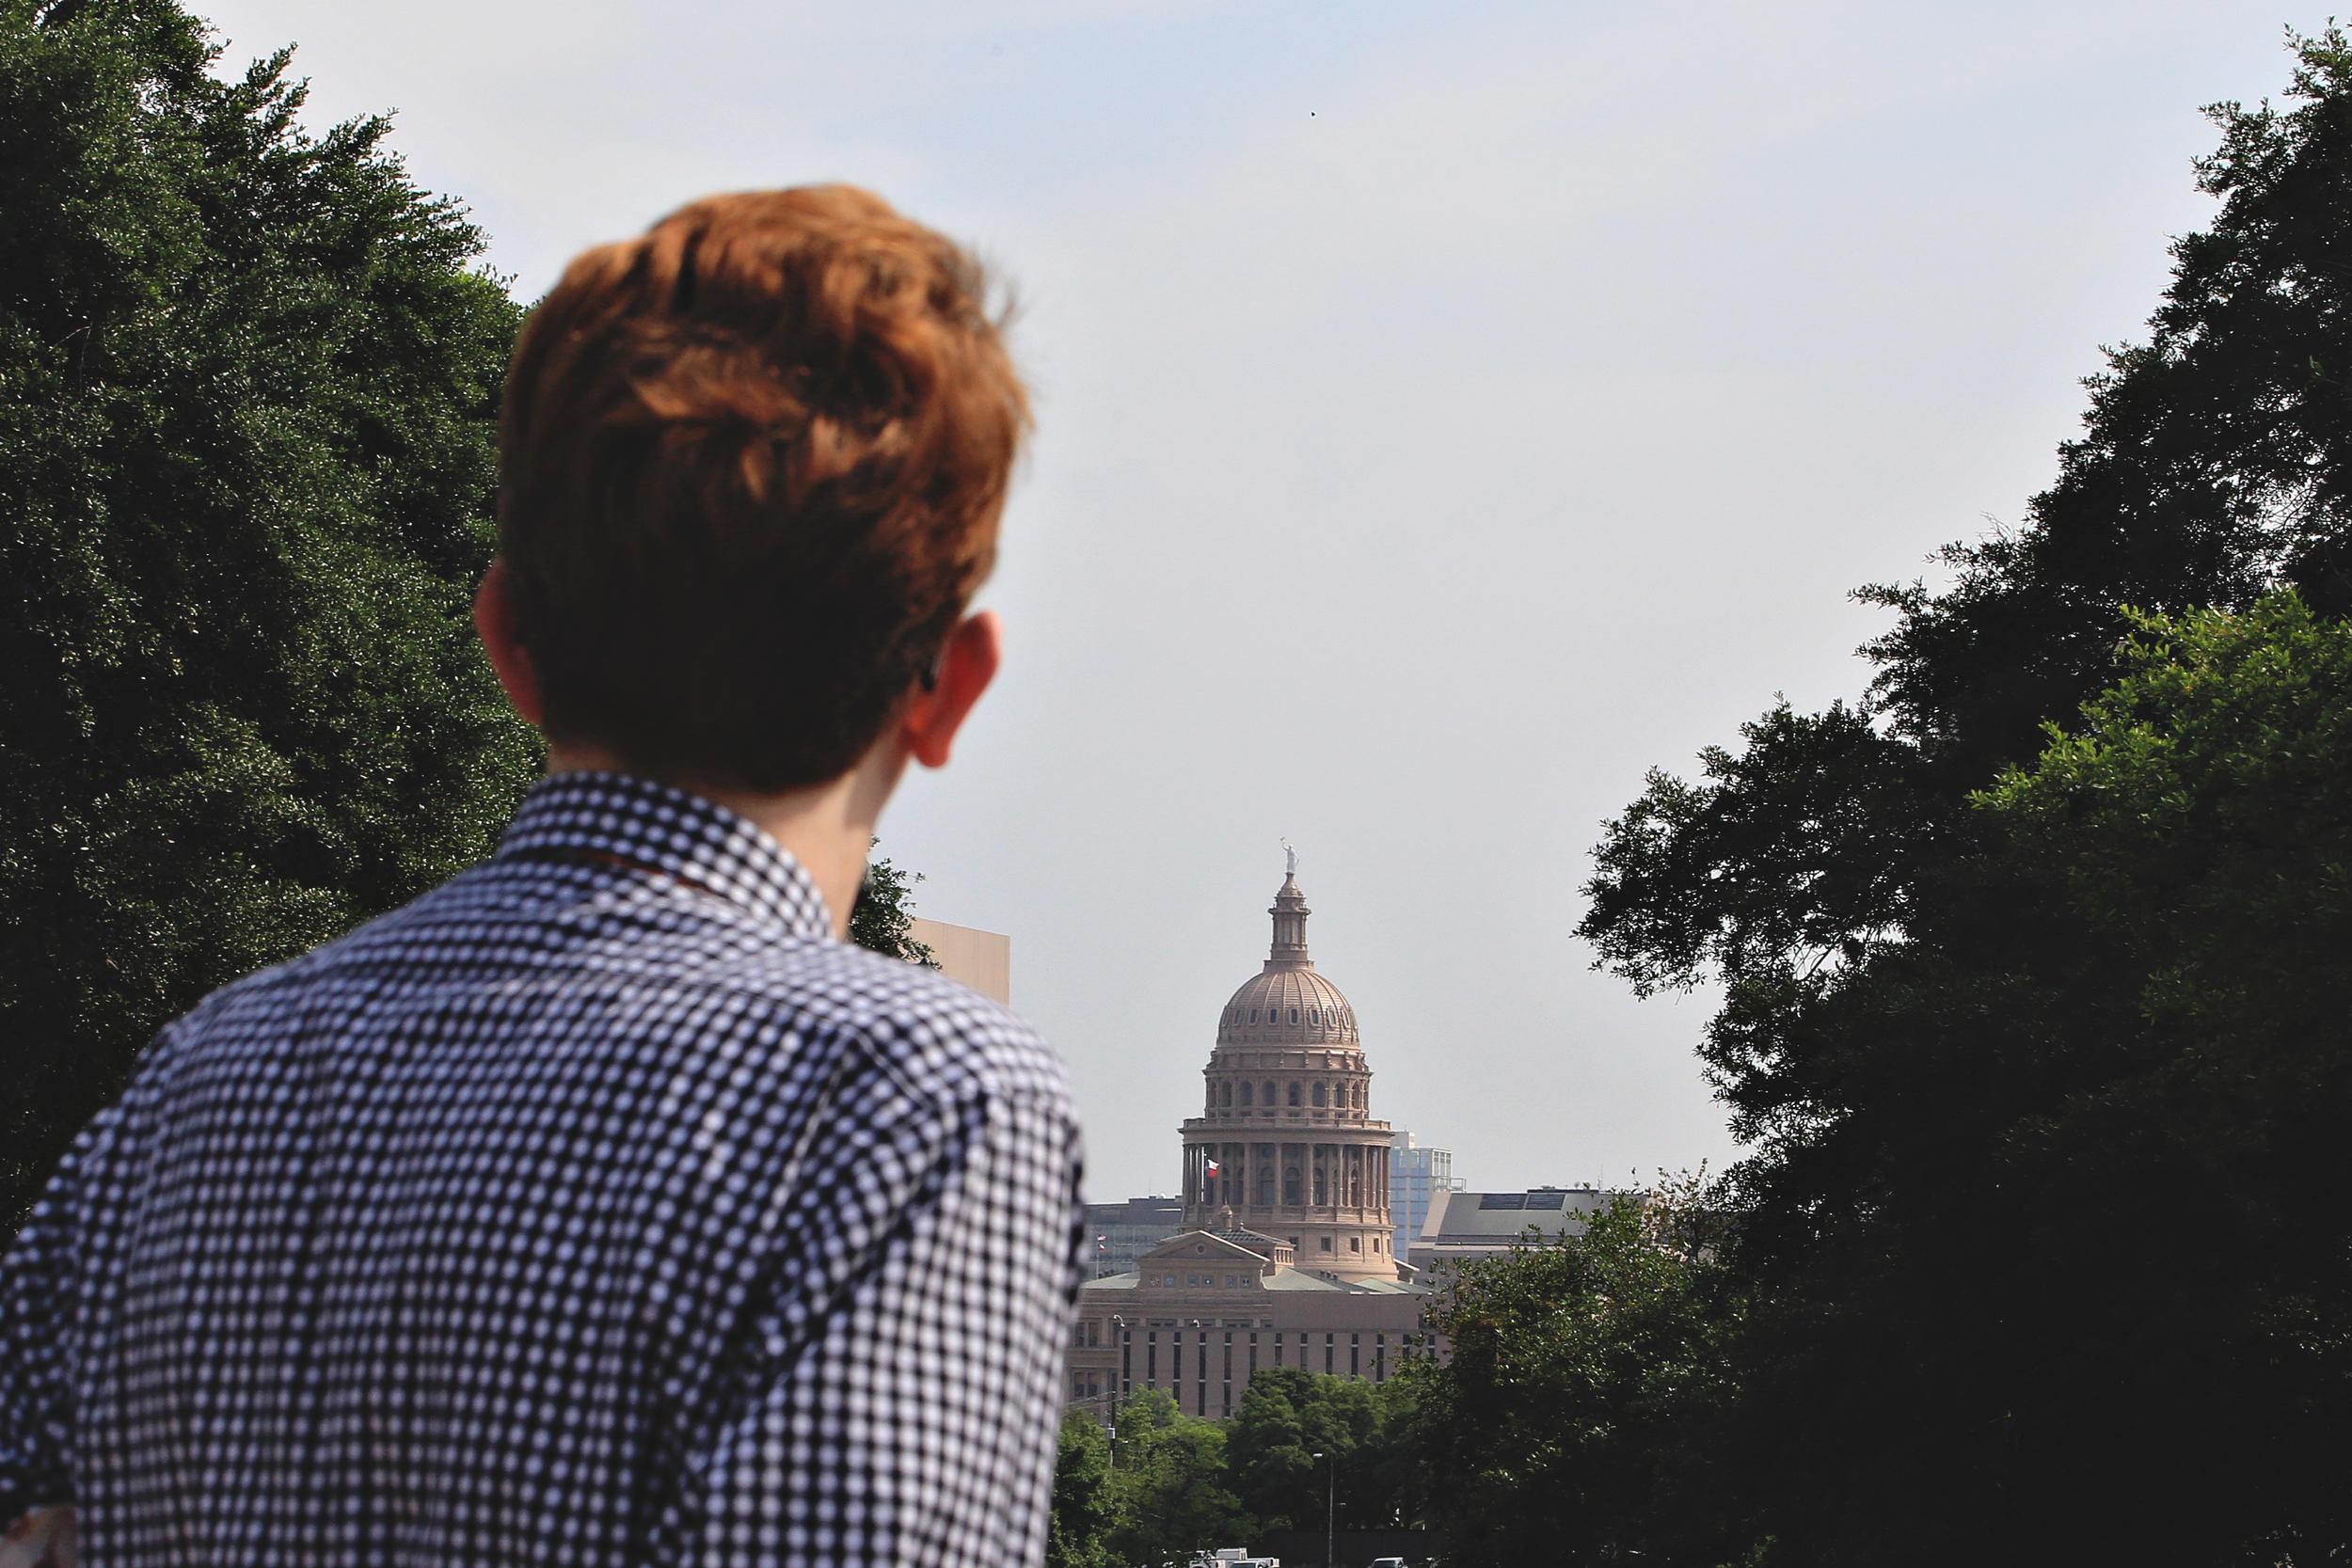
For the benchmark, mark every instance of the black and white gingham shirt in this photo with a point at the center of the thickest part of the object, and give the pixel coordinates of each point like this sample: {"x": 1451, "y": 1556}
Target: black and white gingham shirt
{"x": 597, "y": 1208}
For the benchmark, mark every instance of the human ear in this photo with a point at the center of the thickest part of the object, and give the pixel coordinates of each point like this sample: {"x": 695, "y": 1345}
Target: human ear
{"x": 493, "y": 623}
{"x": 967, "y": 663}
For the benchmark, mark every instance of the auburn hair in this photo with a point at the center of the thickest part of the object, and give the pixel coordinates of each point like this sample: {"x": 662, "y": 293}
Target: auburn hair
{"x": 750, "y": 472}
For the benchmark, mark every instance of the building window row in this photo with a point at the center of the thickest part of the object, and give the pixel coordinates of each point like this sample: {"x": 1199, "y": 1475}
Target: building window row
{"x": 1227, "y": 1092}
{"x": 1313, "y": 1018}
{"x": 1227, "y": 1361}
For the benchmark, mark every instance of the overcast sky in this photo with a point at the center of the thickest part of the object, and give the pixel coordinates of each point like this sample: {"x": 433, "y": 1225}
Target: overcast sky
{"x": 1447, "y": 412}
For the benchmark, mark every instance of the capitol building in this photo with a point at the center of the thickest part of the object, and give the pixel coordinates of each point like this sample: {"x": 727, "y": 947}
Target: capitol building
{"x": 1286, "y": 1251}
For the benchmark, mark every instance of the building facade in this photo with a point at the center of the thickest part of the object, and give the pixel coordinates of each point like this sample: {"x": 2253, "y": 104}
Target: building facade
{"x": 1119, "y": 1234}
{"x": 1285, "y": 1253}
{"x": 982, "y": 960}
{"x": 1480, "y": 1224}
{"x": 1415, "y": 1173}
{"x": 1207, "y": 1310}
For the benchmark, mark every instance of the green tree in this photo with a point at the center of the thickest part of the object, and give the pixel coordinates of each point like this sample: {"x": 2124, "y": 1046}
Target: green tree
{"x": 1569, "y": 1422}
{"x": 882, "y": 919}
{"x": 1085, "y": 1506}
{"x": 247, "y": 395}
{"x": 1171, "y": 1497}
{"x": 1288, "y": 1415}
{"x": 2218, "y": 457}
{"x": 1912, "y": 1005}
{"x": 2094, "y": 1105}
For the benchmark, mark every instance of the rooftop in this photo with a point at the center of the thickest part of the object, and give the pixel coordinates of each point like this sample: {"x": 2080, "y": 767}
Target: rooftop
{"x": 1474, "y": 1219}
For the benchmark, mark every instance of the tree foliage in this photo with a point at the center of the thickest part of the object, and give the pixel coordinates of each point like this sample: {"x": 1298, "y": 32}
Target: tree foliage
{"x": 1366, "y": 1479}
{"x": 1169, "y": 1494}
{"x": 2031, "y": 965}
{"x": 1568, "y": 1422}
{"x": 1173, "y": 1486}
{"x": 1085, "y": 1506}
{"x": 2076, "y": 1217}
{"x": 247, "y": 392}
{"x": 882, "y": 919}
{"x": 2214, "y": 461}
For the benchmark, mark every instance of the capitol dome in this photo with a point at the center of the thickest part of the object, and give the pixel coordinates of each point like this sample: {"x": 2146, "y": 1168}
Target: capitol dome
{"x": 1286, "y": 1138}
{"x": 1285, "y": 1006}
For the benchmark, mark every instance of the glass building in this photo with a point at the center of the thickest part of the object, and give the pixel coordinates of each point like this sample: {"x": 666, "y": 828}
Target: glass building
{"x": 1415, "y": 1175}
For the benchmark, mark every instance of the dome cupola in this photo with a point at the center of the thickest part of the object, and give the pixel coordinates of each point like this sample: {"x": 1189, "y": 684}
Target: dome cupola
{"x": 1287, "y": 1003}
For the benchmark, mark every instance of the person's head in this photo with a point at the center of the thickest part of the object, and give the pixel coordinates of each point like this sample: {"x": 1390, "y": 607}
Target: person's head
{"x": 751, "y": 467}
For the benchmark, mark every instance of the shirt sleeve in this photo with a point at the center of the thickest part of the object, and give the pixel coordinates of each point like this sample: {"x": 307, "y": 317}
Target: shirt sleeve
{"x": 916, "y": 1426}
{"x": 37, "y": 1284}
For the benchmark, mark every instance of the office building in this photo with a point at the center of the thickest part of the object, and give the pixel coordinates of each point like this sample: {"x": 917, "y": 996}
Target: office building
{"x": 1480, "y": 1224}
{"x": 1416, "y": 1172}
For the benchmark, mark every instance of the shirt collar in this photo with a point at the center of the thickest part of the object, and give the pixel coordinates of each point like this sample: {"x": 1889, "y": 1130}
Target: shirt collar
{"x": 673, "y": 833}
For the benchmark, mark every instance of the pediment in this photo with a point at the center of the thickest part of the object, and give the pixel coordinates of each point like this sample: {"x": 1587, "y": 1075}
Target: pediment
{"x": 1199, "y": 1246}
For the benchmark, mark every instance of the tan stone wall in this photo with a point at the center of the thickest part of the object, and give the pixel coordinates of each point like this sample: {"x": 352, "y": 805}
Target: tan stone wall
{"x": 982, "y": 960}
{"x": 1154, "y": 1336}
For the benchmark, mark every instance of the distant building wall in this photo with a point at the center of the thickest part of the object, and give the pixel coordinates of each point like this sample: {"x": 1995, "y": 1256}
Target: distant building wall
{"x": 1415, "y": 1173}
{"x": 1480, "y": 1224}
{"x": 1119, "y": 1233}
{"x": 982, "y": 960}
{"x": 1204, "y": 1312}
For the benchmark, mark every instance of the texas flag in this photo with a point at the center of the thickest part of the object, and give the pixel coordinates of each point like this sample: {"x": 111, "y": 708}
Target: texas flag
{"x": 1212, "y": 1167}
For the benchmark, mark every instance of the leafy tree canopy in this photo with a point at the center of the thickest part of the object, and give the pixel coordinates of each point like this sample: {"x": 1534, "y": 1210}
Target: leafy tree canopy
{"x": 2033, "y": 980}
{"x": 1565, "y": 1424}
{"x": 2083, "y": 1218}
{"x": 247, "y": 392}
{"x": 1170, "y": 1492}
{"x": 2214, "y": 463}
{"x": 1366, "y": 1479}
{"x": 1085, "y": 1506}
{"x": 882, "y": 919}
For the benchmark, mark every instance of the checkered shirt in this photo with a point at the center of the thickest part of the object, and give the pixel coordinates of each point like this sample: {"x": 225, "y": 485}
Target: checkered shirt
{"x": 597, "y": 1208}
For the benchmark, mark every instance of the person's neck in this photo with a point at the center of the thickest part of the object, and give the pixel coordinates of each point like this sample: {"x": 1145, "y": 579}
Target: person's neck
{"x": 827, "y": 827}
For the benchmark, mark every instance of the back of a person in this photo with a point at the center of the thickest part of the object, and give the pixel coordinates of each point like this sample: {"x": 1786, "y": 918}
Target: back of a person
{"x": 600, "y": 1207}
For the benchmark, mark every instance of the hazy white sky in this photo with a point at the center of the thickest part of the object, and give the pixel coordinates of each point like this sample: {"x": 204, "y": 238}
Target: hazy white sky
{"x": 1447, "y": 412}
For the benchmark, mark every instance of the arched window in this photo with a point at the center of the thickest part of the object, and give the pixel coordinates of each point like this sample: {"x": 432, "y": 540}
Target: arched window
{"x": 1244, "y": 1092}
{"x": 1322, "y": 1189}
{"x": 1253, "y": 1015}
{"x": 1265, "y": 1186}
{"x": 1294, "y": 1094}
{"x": 1228, "y": 1095}
{"x": 1269, "y": 1092}
{"x": 1290, "y": 1187}
{"x": 1318, "y": 1094}
{"x": 1294, "y": 1015}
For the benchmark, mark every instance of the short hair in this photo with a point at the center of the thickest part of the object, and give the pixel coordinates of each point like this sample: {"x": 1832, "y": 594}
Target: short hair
{"x": 750, "y": 472}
